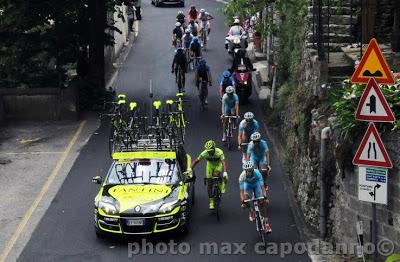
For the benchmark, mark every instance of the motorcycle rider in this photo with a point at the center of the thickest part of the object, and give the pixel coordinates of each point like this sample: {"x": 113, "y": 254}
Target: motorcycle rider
{"x": 177, "y": 33}
{"x": 235, "y": 30}
{"x": 193, "y": 13}
{"x": 230, "y": 107}
{"x": 181, "y": 18}
{"x": 251, "y": 183}
{"x": 226, "y": 80}
{"x": 179, "y": 61}
{"x": 203, "y": 72}
{"x": 194, "y": 27}
{"x": 205, "y": 17}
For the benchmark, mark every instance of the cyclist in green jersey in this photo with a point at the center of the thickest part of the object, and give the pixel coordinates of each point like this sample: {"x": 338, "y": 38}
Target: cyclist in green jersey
{"x": 215, "y": 164}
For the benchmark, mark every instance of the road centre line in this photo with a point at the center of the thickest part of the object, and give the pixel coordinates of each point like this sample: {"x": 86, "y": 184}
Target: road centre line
{"x": 40, "y": 195}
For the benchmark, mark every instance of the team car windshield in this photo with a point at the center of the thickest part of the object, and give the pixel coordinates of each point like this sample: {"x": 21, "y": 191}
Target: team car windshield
{"x": 145, "y": 171}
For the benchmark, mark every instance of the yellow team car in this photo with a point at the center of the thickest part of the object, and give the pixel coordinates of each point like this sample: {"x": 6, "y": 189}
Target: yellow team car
{"x": 144, "y": 193}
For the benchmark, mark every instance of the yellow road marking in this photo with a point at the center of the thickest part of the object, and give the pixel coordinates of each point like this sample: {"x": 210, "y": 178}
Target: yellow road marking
{"x": 30, "y": 153}
{"x": 137, "y": 28}
{"x": 39, "y": 197}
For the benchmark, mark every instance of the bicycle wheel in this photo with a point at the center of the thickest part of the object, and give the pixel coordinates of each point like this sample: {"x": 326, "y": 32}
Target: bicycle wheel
{"x": 261, "y": 229}
{"x": 180, "y": 80}
{"x": 204, "y": 38}
{"x": 111, "y": 141}
{"x": 217, "y": 198}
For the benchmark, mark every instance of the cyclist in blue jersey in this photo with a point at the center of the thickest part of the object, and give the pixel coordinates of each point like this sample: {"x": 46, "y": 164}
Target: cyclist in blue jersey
{"x": 258, "y": 153}
{"x": 251, "y": 184}
{"x": 247, "y": 127}
{"x": 226, "y": 80}
{"x": 230, "y": 107}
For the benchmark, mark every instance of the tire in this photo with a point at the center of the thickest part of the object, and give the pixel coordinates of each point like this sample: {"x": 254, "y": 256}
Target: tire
{"x": 156, "y": 3}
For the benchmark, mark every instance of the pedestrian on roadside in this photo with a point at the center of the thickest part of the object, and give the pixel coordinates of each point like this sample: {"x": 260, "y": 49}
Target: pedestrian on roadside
{"x": 138, "y": 4}
{"x": 130, "y": 9}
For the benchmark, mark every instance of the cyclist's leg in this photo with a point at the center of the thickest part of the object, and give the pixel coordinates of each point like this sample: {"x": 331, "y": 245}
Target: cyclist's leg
{"x": 262, "y": 163}
{"x": 209, "y": 172}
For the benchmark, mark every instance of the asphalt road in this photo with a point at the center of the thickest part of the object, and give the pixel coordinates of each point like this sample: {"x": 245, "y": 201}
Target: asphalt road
{"x": 66, "y": 231}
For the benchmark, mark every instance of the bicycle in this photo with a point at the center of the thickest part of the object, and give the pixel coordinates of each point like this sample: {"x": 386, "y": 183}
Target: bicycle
{"x": 180, "y": 79}
{"x": 259, "y": 219}
{"x": 204, "y": 31}
{"x": 229, "y": 130}
{"x": 216, "y": 193}
{"x": 203, "y": 93}
{"x": 176, "y": 118}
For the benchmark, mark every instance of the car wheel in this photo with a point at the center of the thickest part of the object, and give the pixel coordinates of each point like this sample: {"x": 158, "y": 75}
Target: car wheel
{"x": 156, "y": 3}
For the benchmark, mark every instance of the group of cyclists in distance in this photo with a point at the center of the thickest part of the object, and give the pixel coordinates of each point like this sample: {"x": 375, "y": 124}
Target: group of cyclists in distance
{"x": 256, "y": 161}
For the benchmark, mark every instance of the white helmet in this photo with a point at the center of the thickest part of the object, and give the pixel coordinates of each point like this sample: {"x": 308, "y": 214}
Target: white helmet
{"x": 229, "y": 90}
{"x": 236, "y": 21}
{"x": 248, "y": 165}
{"x": 180, "y": 12}
{"x": 202, "y": 10}
{"x": 177, "y": 24}
{"x": 255, "y": 136}
{"x": 248, "y": 115}
{"x": 187, "y": 31}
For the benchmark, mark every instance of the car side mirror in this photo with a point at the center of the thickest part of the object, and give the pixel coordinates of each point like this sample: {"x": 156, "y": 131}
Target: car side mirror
{"x": 97, "y": 180}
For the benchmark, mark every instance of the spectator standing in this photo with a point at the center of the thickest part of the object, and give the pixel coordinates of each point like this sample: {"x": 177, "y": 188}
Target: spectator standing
{"x": 130, "y": 9}
{"x": 138, "y": 4}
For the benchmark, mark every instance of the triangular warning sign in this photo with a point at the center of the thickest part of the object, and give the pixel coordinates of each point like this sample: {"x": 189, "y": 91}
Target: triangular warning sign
{"x": 373, "y": 105}
{"x": 373, "y": 64}
{"x": 371, "y": 151}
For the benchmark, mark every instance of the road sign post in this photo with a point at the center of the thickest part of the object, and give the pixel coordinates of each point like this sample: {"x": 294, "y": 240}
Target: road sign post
{"x": 371, "y": 157}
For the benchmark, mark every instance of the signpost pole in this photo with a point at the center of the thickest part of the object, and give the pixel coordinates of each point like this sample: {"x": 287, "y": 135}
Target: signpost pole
{"x": 373, "y": 232}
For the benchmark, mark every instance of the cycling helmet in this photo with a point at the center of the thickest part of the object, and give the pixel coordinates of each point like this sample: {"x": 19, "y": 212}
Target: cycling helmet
{"x": 179, "y": 50}
{"x": 191, "y": 22}
{"x": 195, "y": 40}
{"x": 180, "y": 12}
{"x": 202, "y": 61}
{"x": 229, "y": 90}
{"x": 202, "y": 10}
{"x": 187, "y": 31}
{"x": 178, "y": 24}
{"x": 209, "y": 145}
{"x": 236, "y": 21}
{"x": 192, "y": 6}
{"x": 255, "y": 136}
{"x": 226, "y": 74}
{"x": 121, "y": 96}
{"x": 248, "y": 115}
{"x": 248, "y": 165}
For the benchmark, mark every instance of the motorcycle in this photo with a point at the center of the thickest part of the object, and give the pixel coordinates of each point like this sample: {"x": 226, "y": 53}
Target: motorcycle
{"x": 235, "y": 43}
{"x": 243, "y": 80}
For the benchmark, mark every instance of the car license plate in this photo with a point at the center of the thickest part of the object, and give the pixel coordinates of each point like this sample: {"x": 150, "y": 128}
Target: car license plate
{"x": 135, "y": 222}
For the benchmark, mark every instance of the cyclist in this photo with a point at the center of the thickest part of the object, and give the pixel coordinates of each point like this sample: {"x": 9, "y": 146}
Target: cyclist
{"x": 258, "y": 153}
{"x": 193, "y": 13}
{"x": 177, "y": 33}
{"x": 230, "y": 107}
{"x": 181, "y": 18}
{"x": 179, "y": 61}
{"x": 247, "y": 127}
{"x": 195, "y": 47}
{"x": 187, "y": 39}
{"x": 203, "y": 72}
{"x": 205, "y": 17}
{"x": 251, "y": 183}
{"x": 193, "y": 27}
{"x": 226, "y": 80}
{"x": 215, "y": 164}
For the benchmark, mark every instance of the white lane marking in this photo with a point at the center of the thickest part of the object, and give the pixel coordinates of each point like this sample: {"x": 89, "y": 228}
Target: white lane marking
{"x": 222, "y": 1}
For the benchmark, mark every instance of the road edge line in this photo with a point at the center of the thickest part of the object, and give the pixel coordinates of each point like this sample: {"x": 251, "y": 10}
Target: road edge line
{"x": 17, "y": 233}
